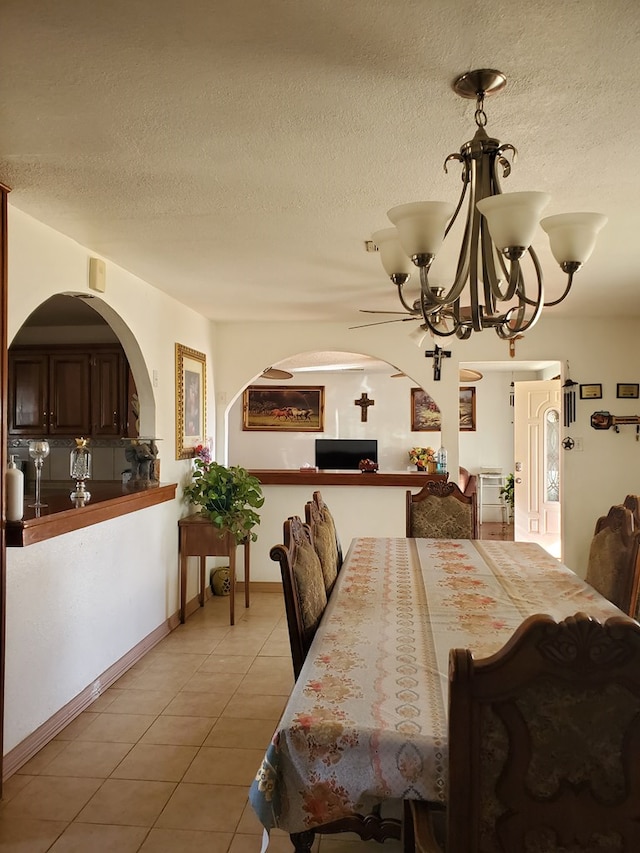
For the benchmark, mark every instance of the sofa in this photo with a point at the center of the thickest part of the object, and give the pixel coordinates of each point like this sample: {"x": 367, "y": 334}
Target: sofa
{"x": 467, "y": 482}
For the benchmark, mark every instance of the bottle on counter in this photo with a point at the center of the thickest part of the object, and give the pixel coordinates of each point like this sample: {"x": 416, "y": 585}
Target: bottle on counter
{"x": 14, "y": 480}
{"x": 441, "y": 461}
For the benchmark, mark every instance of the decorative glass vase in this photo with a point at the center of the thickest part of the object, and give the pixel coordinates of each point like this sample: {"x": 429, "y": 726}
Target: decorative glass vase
{"x": 80, "y": 470}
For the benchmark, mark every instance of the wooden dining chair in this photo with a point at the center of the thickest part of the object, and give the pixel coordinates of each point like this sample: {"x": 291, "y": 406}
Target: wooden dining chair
{"x": 614, "y": 559}
{"x": 305, "y": 597}
{"x": 544, "y": 743}
{"x": 441, "y": 511}
{"x": 325, "y": 539}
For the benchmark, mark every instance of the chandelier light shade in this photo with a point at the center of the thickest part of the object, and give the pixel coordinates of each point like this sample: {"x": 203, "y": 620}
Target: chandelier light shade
{"x": 572, "y": 236}
{"x": 491, "y": 287}
{"x": 421, "y": 226}
{"x": 513, "y": 218}
{"x": 394, "y": 259}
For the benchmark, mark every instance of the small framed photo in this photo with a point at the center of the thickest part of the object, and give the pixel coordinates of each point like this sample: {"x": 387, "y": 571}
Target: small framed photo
{"x": 591, "y": 392}
{"x": 628, "y": 390}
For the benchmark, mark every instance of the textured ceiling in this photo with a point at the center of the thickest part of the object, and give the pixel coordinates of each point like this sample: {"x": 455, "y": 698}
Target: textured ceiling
{"x": 237, "y": 154}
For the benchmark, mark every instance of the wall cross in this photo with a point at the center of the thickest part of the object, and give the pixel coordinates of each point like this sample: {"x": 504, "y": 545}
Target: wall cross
{"x": 364, "y": 402}
{"x": 438, "y": 354}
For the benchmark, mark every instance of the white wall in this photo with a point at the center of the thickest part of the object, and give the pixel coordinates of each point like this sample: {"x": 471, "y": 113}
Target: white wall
{"x": 389, "y": 421}
{"x": 79, "y": 602}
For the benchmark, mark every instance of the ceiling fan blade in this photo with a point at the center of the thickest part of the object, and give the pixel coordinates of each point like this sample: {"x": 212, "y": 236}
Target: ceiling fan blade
{"x": 468, "y": 375}
{"x": 275, "y": 373}
{"x": 382, "y": 322}
{"x": 372, "y": 311}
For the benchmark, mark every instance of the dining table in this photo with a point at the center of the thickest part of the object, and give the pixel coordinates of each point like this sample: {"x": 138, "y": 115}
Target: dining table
{"x": 366, "y": 722}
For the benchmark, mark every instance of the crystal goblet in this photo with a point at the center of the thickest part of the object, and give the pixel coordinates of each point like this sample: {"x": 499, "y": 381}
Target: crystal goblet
{"x": 38, "y": 451}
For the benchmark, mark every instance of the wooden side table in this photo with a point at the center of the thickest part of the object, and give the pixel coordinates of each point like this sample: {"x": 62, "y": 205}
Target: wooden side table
{"x": 199, "y": 538}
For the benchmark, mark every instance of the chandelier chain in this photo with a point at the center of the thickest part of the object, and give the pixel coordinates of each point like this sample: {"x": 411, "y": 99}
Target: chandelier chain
{"x": 480, "y": 115}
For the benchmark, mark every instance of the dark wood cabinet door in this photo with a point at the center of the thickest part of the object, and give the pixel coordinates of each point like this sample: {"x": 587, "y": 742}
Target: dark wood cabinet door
{"x": 108, "y": 387}
{"x": 28, "y": 401}
{"x": 69, "y": 402}
{"x": 65, "y": 391}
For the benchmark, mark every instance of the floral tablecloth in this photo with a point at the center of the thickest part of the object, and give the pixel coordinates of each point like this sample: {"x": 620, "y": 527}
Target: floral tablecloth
{"x": 366, "y": 721}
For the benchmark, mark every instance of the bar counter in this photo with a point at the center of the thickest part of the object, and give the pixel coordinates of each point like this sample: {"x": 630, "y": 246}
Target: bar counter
{"x": 108, "y": 500}
{"x": 314, "y": 477}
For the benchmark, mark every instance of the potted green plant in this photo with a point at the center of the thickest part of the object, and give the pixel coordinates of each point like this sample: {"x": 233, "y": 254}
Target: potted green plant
{"x": 507, "y": 493}
{"x": 229, "y": 496}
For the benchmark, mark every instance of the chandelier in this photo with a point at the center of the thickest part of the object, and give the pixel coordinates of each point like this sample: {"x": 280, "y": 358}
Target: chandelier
{"x": 489, "y": 289}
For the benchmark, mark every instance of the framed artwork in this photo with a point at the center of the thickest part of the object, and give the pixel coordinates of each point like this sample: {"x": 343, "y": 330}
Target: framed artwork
{"x": 590, "y": 392}
{"x": 283, "y": 408}
{"x": 191, "y": 400}
{"x": 425, "y": 413}
{"x": 628, "y": 390}
{"x": 467, "y": 409}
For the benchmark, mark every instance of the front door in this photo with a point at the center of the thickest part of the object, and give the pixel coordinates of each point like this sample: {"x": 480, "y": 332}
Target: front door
{"x": 537, "y": 421}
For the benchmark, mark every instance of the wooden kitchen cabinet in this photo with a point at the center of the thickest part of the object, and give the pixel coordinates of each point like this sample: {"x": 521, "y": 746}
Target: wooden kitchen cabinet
{"x": 109, "y": 372}
{"x": 62, "y": 391}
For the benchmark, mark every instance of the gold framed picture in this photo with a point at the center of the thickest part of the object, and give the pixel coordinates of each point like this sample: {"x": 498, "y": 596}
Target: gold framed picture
{"x": 191, "y": 400}
{"x": 283, "y": 408}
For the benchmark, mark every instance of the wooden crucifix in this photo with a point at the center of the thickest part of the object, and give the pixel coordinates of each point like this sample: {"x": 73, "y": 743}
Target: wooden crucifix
{"x": 438, "y": 354}
{"x": 512, "y": 344}
{"x": 364, "y": 402}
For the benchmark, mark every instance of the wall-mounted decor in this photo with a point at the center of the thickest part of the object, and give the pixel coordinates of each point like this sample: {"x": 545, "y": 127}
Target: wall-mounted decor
{"x": 425, "y": 413}
{"x": 467, "y": 409}
{"x": 628, "y": 390}
{"x": 283, "y": 408}
{"x": 605, "y": 420}
{"x": 591, "y": 392}
{"x": 191, "y": 400}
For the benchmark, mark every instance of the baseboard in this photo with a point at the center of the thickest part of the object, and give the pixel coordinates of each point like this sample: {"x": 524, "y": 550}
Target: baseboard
{"x": 34, "y": 742}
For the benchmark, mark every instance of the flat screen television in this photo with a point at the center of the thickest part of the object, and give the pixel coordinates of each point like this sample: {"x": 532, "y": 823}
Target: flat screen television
{"x": 345, "y": 453}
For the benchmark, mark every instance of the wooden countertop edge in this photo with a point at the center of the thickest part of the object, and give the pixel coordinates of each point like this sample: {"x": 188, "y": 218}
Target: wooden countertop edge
{"x": 275, "y": 477}
{"x": 32, "y": 530}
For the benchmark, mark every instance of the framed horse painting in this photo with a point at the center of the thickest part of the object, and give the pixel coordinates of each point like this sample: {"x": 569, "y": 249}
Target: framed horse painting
{"x": 283, "y": 408}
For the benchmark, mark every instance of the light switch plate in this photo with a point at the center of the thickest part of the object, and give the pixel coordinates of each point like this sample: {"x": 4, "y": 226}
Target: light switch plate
{"x": 97, "y": 275}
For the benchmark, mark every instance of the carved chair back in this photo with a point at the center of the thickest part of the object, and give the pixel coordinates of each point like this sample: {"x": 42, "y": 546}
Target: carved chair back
{"x": 614, "y": 559}
{"x": 544, "y": 741}
{"x": 303, "y": 587}
{"x": 441, "y": 511}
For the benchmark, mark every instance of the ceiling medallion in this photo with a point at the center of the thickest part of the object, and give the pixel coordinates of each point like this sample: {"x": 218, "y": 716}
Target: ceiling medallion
{"x": 489, "y": 289}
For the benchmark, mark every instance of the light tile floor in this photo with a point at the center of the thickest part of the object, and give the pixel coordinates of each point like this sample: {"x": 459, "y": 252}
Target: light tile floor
{"x": 162, "y": 762}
